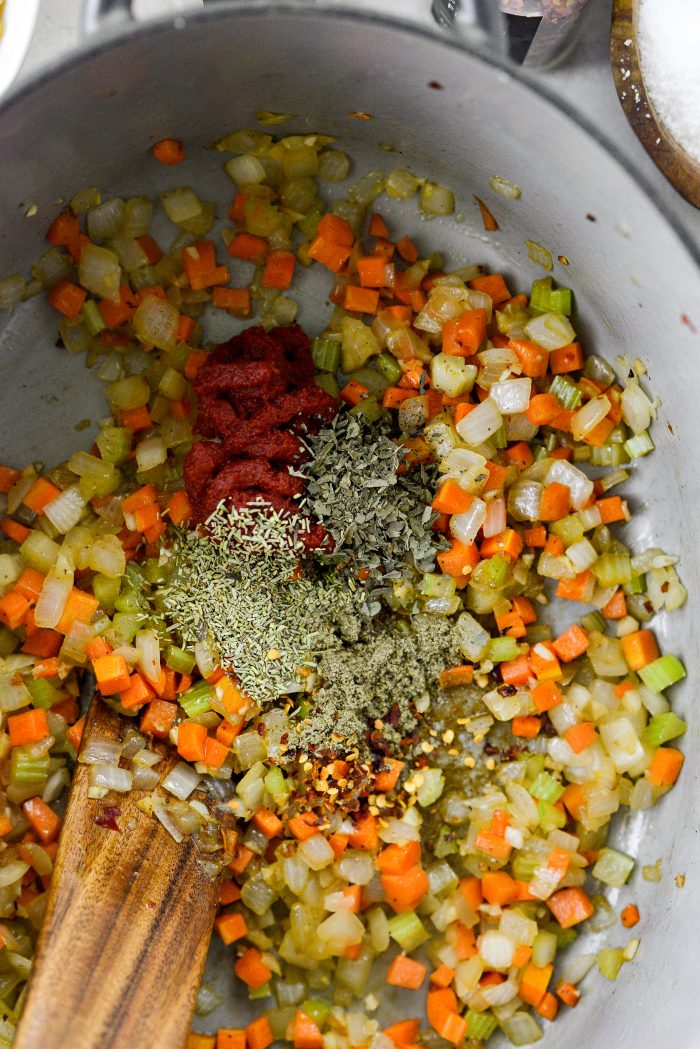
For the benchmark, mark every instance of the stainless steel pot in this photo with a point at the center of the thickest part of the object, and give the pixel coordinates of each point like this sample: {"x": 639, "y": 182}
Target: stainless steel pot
{"x": 91, "y": 120}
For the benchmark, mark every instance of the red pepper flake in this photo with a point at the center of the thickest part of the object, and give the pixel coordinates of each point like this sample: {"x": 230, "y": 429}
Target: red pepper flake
{"x": 685, "y": 319}
{"x": 108, "y": 817}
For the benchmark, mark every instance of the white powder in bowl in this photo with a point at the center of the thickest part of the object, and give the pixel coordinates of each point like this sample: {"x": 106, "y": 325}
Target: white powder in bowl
{"x": 668, "y": 34}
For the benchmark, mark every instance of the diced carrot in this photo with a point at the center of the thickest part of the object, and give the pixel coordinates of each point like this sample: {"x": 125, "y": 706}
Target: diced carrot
{"x": 546, "y": 695}
{"x": 616, "y": 608}
{"x": 442, "y": 976}
{"x": 306, "y": 1032}
{"x": 406, "y": 972}
{"x": 407, "y": 250}
{"x": 235, "y": 300}
{"x": 580, "y": 736}
{"x": 150, "y": 248}
{"x": 526, "y": 726}
{"x": 577, "y": 588}
{"x": 665, "y": 766}
{"x": 566, "y": 359}
{"x": 516, "y": 671}
{"x": 544, "y": 663}
{"x": 611, "y": 509}
{"x": 555, "y": 502}
{"x": 639, "y": 649}
{"x": 40, "y": 495}
{"x": 470, "y": 888}
{"x": 493, "y": 285}
{"x": 64, "y": 230}
{"x": 630, "y": 915}
{"x": 569, "y": 994}
{"x": 279, "y": 270}
{"x": 522, "y": 955}
{"x": 231, "y": 927}
{"x": 533, "y": 358}
{"x": 30, "y": 583}
{"x": 570, "y": 906}
{"x": 13, "y": 609}
{"x": 498, "y": 887}
{"x": 554, "y": 545}
{"x": 241, "y": 859}
{"x": 507, "y": 543}
{"x": 451, "y": 498}
{"x": 394, "y": 396}
{"x": 135, "y": 419}
{"x": 229, "y": 893}
{"x": 573, "y": 799}
{"x": 387, "y": 777}
{"x": 548, "y": 1007}
{"x": 360, "y": 300}
{"x": 329, "y": 253}
{"x": 536, "y": 536}
{"x": 405, "y": 891}
{"x": 179, "y": 508}
{"x": 304, "y": 825}
{"x": 525, "y": 609}
{"x": 169, "y": 151}
{"x": 520, "y": 454}
{"x": 497, "y": 476}
{"x": 138, "y": 693}
{"x": 140, "y": 498}
{"x": 463, "y": 336}
{"x": 158, "y": 718}
{"x": 8, "y": 478}
{"x": 372, "y": 271}
{"x": 259, "y": 1033}
{"x": 377, "y": 226}
{"x": 459, "y": 560}
{"x": 365, "y": 833}
{"x": 252, "y": 969}
{"x": 571, "y": 644}
{"x": 191, "y": 741}
{"x": 80, "y": 608}
{"x": 194, "y": 362}
{"x": 397, "y": 859}
{"x": 28, "y": 727}
{"x": 230, "y": 1038}
{"x": 249, "y": 247}
{"x": 534, "y": 982}
{"x": 600, "y": 433}
{"x": 336, "y": 229}
{"x": 67, "y": 298}
{"x": 97, "y": 647}
{"x": 354, "y": 392}
{"x": 452, "y": 677}
{"x": 75, "y": 733}
{"x": 268, "y": 823}
{"x": 542, "y": 409}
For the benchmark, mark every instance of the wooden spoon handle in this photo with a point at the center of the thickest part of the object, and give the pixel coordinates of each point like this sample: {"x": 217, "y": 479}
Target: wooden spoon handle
{"x": 128, "y": 920}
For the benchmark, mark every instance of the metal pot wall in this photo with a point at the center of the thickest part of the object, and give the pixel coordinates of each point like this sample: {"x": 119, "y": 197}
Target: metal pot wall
{"x": 91, "y": 120}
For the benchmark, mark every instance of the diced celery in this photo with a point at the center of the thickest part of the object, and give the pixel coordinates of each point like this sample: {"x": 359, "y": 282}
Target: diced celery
{"x": 566, "y": 392}
{"x": 612, "y": 569}
{"x": 407, "y": 930}
{"x": 502, "y": 649}
{"x": 499, "y": 438}
{"x": 550, "y": 817}
{"x": 275, "y": 782}
{"x": 128, "y": 601}
{"x": 257, "y": 993}
{"x": 309, "y": 223}
{"x": 593, "y": 621}
{"x": 534, "y": 765}
{"x": 26, "y": 769}
{"x": 8, "y": 642}
{"x": 524, "y": 865}
{"x": 326, "y": 381}
{"x": 445, "y": 844}
{"x": 434, "y": 585}
{"x": 39, "y": 551}
{"x": 662, "y": 728}
{"x": 610, "y": 961}
{"x": 106, "y": 590}
{"x": 389, "y": 367}
{"x": 546, "y": 788}
{"x": 493, "y": 572}
{"x": 114, "y": 443}
{"x": 540, "y": 294}
{"x": 480, "y": 1026}
{"x": 43, "y": 693}
{"x": 92, "y": 318}
{"x": 560, "y": 301}
{"x": 195, "y": 700}
{"x": 635, "y": 585}
{"x": 662, "y": 673}
{"x": 317, "y": 1009}
{"x": 612, "y": 867}
{"x": 608, "y": 455}
{"x": 325, "y": 351}
{"x": 569, "y": 529}
{"x": 370, "y": 408}
{"x": 565, "y": 937}
{"x": 431, "y": 787}
{"x": 639, "y": 445}
{"x": 125, "y": 625}
{"x": 179, "y": 660}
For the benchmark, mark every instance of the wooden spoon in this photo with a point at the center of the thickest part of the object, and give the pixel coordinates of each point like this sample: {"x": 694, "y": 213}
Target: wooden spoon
{"x": 128, "y": 920}
{"x": 680, "y": 168}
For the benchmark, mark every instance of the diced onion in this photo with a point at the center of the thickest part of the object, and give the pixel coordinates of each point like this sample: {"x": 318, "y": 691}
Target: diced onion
{"x": 588, "y": 417}
{"x": 636, "y": 408}
{"x": 52, "y": 599}
{"x": 105, "y": 220}
{"x": 12, "y": 872}
{"x": 580, "y": 487}
{"x": 144, "y": 778}
{"x": 512, "y": 396}
{"x": 101, "y": 752}
{"x": 538, "y": 253}
{"x": 465, "y": 526}
{"x": 504, "y": 188}
{"x": 148, "y": 648}
{"x": 495, "y": 520}
{"x": 111, "y": 777}
{"x": 551, "y": 330}
{"x": 340, "y": 931}
{"x": 245, "y": 170}
{"x": 496, "y": 949}
{"x": 524, "y": 498}
{"x": 11, "y": 291}
{"x": 66, "y": 509}
{"x": 150, "y": 453}
{"x": 155, "y": 323}
{"x": 480, "y": 424}
{"x": 436, "y": 200}
{"x": 13, "y": 693}
{"x": 181, "y": 780}
{"x": 100, "y": 272}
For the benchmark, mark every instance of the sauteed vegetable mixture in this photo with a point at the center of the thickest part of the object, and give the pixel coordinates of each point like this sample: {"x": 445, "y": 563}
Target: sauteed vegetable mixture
{"x": 322, "y": 568}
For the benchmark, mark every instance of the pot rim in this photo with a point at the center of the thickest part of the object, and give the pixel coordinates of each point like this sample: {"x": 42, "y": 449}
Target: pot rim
{"x": 419, "y": 30}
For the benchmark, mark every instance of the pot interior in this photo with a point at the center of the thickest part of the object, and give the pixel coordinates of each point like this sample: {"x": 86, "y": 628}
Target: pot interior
{"x": 453, "y": 117}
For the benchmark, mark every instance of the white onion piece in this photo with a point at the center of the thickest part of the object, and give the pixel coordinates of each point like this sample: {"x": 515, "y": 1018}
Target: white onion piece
{"x": 580, "y": 487}
{"x": 588, "y": 417}
{"x": 495, "y": 520}
{"x": 206, "y": 657}
{"x": 66, "y": 509}
{"x": 622, "y": 743}
{"x": 52, "y": 599}
{"x": 480, "y": 424}
{"x": 356, "y": 867}
{"x": 181, "y": 780}
{"x": 511, "y": 396}
{"x": 148, "y": 647}
{"x": 471, "y": 638}
{"x": 316, "y": 852}
{"x": 465, "y": 526}
{"x": 524, "y": 498}
{"x": 496, "y": 950}
{"x": 340, "y": 931}
{"x": 150, "y": 453}
{"x": 582, "y": 555}
{"x": 551, "y": 330}
{"x": 105, "y": 220}
{"x": 100, "y": 272}
{"x": 144, "y": 779}
{"x": 111, "y": 777}
{"x": 637, "y": 409}
{"x": 155, "y": 323}
{"x": 519, "y": 428}
{"x": 13, "y": 693}
{"x": 101, "y": 752}
{"x": 12, "y": 872}
{"x": 163, "y": 816}
{"x": 245, "y": 170}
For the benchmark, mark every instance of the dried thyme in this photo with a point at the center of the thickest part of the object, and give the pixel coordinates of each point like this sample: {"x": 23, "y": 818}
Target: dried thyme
{"x": 379, "y": 517}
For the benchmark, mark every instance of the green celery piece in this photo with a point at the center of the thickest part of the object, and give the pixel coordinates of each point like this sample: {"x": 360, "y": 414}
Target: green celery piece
{"x": 408, "y": 931}
{"x": 275, "y": 782}
{"x": 25, "y": 769}
{"x": 610, "y": 961}
{"x": 317, "y": 1009}
{"x": 92, "y": 318}
{"x": 612, "y": 867}
{"x": 550, "y": 817}
{"x": 179, "y": 660}
{"x": 546, "y": 788}
{"x": 502, "y": 649}
{"x": 612, "y": 569}
{"x": 609, "y": 455}
{"x": 560, "y": 301}
{"x": 43, "y": 693}
{"x": 662, "y": 673}
{"x": 593, "y": 621}
{"x": 114, "y": 443}
{"x": 662, "y": 728}
{"x": 635, "y": 585}
{"x": 389, "y": 367}
{"x": 195, "y": 700}
{"x": 639, "y": 445}
{"x": 9, "y": 642}
{"x": 499, "y": 439}
{"x": 325, "y": 351}
{"x": 566, "y": 392}
{"x": 480, "y": 1025}
{"x": 540, "y": 295}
